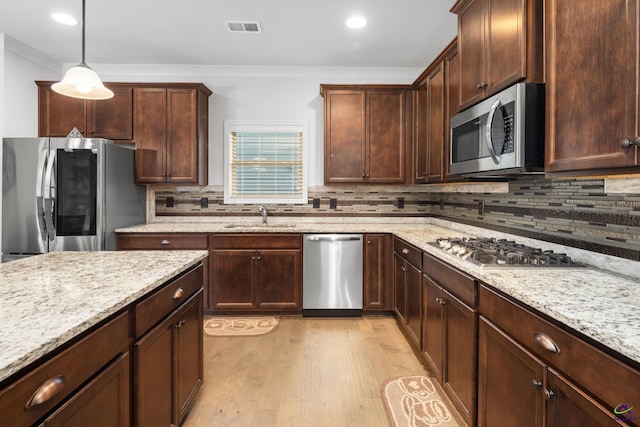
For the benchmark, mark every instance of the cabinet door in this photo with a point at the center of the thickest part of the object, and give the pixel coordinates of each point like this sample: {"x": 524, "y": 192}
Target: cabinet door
{"x": 150, "y": 134}
{"x": 189, "y": 354}
{"x": 505, "y": 43}
{"x": 278, "y": 279}
{"x": 414, "y": 303}
{"x": 377, "y": 272}
{"x": 506, "y": 375}
{"x": 421, "y": 149}
{"x": 233, "y": 279}
{"x": 432, "y": 328}
{"x": 385, "y": 137}
{"x": 459, "y": 374}
{"x": 182, "y": 136}
{"x": 59, "y": 114}
{"x": 452, "y": 97}
{"x": 592, "y": 100}
{"x": 111, "y": 118}
{"x": 153, "y": 376}
{"x": 104, "y": 401}
{"x": 471, "y": 46}
{"x": 399, "y": 287}
{"x": 344, "y": 136}
{"x": 435, "y": 124}
{"x": 569, "y": 406}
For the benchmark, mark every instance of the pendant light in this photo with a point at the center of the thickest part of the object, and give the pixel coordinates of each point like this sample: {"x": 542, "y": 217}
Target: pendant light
{"x": 81, "y": 81}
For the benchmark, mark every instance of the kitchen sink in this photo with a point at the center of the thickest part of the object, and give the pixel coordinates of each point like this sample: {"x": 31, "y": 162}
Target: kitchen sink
{"x": 261, "y": 225}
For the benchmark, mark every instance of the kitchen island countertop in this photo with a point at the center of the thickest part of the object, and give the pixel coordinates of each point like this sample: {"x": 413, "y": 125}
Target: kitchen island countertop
{"x": 595, "y": 300}
{"x": 49, "y": 299}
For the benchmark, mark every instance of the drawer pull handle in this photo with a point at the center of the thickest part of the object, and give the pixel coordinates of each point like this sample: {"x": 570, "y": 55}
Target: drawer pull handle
{"x": 178, "y": 293}
{"x": 545, "y": 342}
{"x": 165, "y": 242}
{"x": 46, "y": 391}
{"x": 405, "y": 251}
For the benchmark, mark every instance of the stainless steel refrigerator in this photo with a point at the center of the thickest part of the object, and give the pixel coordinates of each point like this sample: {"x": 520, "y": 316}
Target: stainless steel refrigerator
{"x": 66, "y": 194}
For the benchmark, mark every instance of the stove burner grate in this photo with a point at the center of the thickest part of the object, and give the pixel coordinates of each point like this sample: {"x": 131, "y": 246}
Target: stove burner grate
{"x": 502, "y": 252}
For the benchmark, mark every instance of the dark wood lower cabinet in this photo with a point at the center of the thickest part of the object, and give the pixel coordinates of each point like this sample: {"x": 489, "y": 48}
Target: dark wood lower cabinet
{"x": 413, "y": 280}
{"x": 256, "y": 272}
{"x": 449, "y": 344}
{"x": 510, "y": 380}
{"x": 399, "y": 288}
{"x": 568, "y": 406}
{"x": 168, "y": 367}
{"x": 104, "y": 402}
{"x": 378, "y": 273}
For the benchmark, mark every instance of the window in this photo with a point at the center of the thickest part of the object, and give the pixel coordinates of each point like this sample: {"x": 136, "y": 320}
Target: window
{"x": 265, "y": 163}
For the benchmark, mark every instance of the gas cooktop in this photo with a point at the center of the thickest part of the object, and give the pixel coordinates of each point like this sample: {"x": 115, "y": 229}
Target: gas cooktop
{"x": 492, "y": 252}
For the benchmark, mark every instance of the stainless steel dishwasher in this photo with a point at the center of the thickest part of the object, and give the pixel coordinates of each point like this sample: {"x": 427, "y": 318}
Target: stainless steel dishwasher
{"x": 332, "y": 275}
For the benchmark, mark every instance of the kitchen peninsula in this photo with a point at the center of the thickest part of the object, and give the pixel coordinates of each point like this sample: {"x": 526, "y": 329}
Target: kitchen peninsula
{"x": 70, "y": 321}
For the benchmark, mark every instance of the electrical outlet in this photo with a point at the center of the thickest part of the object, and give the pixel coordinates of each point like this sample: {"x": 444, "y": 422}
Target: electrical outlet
{"x": 333, "y": 203}
{"x": 204, "y": 202}
{"x": 481, "y": 208}
{"x": 316, "y": 203}
{"x": 400, "y": 202}
{"x": 441, "y": 204}
{"x": 169, "y": 202}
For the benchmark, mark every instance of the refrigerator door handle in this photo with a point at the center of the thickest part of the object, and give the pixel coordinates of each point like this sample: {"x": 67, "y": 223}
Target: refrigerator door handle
{"x": 40, "y": 172}
{"x": 48, "y": 201}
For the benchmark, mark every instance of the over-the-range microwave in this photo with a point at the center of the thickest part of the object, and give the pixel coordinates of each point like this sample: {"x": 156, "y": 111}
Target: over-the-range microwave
{"x": 503, "y": 134}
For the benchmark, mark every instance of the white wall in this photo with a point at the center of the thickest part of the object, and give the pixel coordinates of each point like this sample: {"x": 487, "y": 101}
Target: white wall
{"x": 262, "y": 93}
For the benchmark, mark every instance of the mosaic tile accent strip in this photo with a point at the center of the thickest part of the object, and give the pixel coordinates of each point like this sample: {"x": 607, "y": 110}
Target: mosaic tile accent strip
{"x": 572, "y": 212}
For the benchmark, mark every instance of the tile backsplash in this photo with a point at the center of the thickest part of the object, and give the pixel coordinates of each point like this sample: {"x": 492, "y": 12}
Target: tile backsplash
{"x": 573, "y": 212}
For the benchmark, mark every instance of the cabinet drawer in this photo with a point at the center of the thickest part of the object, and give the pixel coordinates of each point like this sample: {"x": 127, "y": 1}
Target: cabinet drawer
{"x": 454, "y": 281}
{"x": 408, "y": 252}
{"x": 607, "y": 378}
{"x": 161, "y": 241}
{"x": 154, "y": 308}
{"x": 69, "y": 369}
{"x": 256, "y": 241}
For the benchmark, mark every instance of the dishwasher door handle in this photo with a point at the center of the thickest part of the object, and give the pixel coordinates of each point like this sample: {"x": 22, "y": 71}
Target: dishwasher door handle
{"x": 333, "y": 238}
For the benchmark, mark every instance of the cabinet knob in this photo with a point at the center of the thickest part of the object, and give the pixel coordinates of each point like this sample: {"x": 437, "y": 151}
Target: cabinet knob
{"x": 625, "y": 143}
{"x": 46, "y": 391}
{"x": 544, "y": 341}
{"x": 548, "y": 394}
{"x": 481, "y": 86}
{"x": 178, "y": 293}
{"x": 405, "y": 251}
{"x": 537, "y": 384}
{"x": 165, "y": 242}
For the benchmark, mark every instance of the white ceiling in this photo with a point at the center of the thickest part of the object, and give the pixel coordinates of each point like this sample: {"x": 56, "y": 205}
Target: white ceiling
{"x": 400, "y": 33}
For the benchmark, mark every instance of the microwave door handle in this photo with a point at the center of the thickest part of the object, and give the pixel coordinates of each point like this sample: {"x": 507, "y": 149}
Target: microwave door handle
{"x": 488, "y": 139}
{"x": 48, "y": 201}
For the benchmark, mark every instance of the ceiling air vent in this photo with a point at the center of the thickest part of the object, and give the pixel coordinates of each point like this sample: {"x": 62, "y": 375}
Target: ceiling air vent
{"x": 243, "y": 26}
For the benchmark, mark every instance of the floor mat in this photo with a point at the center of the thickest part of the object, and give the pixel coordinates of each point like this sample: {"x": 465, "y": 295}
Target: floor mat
{"x": 418, "y": 402}
{"x": 229, "y": 326}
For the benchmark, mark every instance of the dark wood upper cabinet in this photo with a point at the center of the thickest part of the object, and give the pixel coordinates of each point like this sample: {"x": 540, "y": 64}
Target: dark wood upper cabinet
{"x": 365, "y": 132}
{"x": 171, "y": 134}
{"x": 500, "y": 42}
{"x": 592, "y": 88}
{"x": 109, "y": 118}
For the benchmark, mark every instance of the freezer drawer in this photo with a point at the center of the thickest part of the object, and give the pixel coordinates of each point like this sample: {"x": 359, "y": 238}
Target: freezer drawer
{"x": 332, "y": 274}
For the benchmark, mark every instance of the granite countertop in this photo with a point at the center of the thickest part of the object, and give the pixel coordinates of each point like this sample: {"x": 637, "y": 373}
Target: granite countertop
{"x": 49, "y": 299}
{"x": 594, "y": 300}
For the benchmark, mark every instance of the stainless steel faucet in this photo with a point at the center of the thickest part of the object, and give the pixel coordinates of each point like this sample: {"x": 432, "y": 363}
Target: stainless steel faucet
{"x": 263, "y": 211}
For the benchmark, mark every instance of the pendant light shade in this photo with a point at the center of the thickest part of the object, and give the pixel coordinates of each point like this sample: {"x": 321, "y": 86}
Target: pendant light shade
{"x": 81, "y": 81}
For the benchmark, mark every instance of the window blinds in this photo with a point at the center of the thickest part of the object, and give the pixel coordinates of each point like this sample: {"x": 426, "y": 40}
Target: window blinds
{"x": 266, "y": 164}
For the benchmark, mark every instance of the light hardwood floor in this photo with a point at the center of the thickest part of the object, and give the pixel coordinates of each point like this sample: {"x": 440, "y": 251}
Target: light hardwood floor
{"x": 308, "y": 372}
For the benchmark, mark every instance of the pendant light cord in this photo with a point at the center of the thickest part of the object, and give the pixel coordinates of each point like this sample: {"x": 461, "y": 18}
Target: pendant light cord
{"x": 83, "y": 20}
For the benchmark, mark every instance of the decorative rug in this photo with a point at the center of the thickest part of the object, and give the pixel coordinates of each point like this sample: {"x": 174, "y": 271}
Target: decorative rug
{"x": 227, "y": 326}
{"x": 418, "y": 402}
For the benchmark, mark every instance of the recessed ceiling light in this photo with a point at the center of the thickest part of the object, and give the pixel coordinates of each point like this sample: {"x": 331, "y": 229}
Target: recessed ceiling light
{"x": 356, "y": 22}
{"x": 65, "y": 19}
